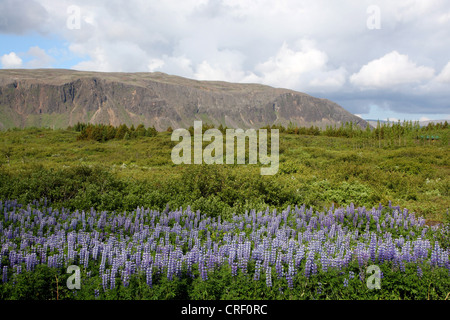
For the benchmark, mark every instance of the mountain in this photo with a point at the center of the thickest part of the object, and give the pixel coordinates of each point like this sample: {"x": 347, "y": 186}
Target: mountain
{"x": 59, "y": 98}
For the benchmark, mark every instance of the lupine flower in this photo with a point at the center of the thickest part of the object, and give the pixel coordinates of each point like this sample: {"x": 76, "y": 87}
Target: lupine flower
{"x": 5, "y": 274}
{"x": 319, "y": 289}
{"x": 345, "y": 282}
{"x": 234, "y": 268}
{"x": 279, "y": 267}
{"x": 148, "y": 274}
{"x": 105, "y": 281}
{"x": 150, "y": 231}
{"x": 257, "y": 270}
{"x": 419, "y": 272}
{"x": 289, "y": 277}
{"x": 324, "y": 261}
{"x": 269, "y": 276}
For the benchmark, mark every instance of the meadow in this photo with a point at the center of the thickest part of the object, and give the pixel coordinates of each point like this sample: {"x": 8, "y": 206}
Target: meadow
{"x": 141, "y": 227}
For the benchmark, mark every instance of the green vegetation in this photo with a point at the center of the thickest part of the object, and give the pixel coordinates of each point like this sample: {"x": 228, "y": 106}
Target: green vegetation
{"x": 116, "y": 170}
{"x": 121, "y": 168}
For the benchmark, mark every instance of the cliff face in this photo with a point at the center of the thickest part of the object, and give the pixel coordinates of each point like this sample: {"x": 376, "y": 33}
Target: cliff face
{"x": 59, "y": 98}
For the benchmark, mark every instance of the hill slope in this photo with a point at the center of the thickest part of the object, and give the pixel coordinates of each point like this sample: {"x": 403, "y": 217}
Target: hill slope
{"x": 59, "y": 98}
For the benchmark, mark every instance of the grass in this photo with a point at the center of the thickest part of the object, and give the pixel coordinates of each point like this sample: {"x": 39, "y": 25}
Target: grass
{"x": 314, "y": 170}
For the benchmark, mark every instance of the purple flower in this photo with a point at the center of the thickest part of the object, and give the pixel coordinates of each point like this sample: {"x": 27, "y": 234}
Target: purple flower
{"x": 5, "y": 274}
{"x": 319, "y": 289}
{"x": 234, "y": 268}
{"x": 257, "y": 270}
{"x": 105, "y": 281}
{"x": 373, "y": 247}
{"x": 279, "y": 267}
{"x": 310, "y": 266}
{"x": 419, "y": 272}
{"x": 269, "y": 276}
{"x": 345, "y": 282}
{"x": 148, "y": 274}
{"x": 325, "y": 262}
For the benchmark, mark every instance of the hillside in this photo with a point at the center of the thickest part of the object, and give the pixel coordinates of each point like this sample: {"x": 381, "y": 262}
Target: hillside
{"x": 59, "y": 98}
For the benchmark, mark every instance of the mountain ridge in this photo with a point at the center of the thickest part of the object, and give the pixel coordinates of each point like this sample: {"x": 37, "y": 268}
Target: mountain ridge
{"x": 61, "y": 97}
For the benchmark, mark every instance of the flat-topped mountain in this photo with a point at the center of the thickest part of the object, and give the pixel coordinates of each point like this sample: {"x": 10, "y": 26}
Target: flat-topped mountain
{"x": 59, "y": 98}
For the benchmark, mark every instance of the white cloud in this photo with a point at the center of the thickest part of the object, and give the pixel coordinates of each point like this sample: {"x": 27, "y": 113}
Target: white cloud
{"x": 155, "y": 64}
{"x": 224, "y": 65}
{"x": 40, "y": 59}
{"x": 287, "y": 67}
{"x": 305, "y": 69}
{"x": 390, "y": 70}
{"x": 444, "y": 76}
{"x": 11, "y": 61}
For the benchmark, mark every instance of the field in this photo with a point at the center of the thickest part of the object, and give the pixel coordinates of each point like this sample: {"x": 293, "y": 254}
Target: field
{"x": 140, "y": 227}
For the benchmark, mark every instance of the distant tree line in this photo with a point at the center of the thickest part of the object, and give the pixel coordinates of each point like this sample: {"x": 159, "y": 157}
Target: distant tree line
{"x": 383, "y": 130}
{"x": 102, "y": 132}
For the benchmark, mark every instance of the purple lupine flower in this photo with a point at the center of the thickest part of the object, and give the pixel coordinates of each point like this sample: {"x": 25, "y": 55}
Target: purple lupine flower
{"x": 345, "y": 282}
{"x": 234, "y": 268}
{"x": 113, "y": 277}
{"x": 402, "y": 266}
{"x": 310, "y": 265}
{"x": 86, "y": 259}
{"x": 373, "y": 247}
{"x": 266, "y": 258}
{"x": 324, "y": 262}
{"x": 125, "y": 277}
{"x": 289, "y": 280}
{"x": 148, "y": 273}
{"x": 171, "y": 267}
{"x": 279, "y": 267}
{"x": 269, "y": 276}
{"x": 257, "y": 270}
{"x": 5, "y": 274}
{"x": 419, "y": 271}
{"x": 105, "y": 281}
{"x": 434, "y": 256}
{"x": 319, "y": 289}
{"x": 202, "y": 268}
{"x": 178, "y": 268}
{"x": 18, "y": 269}
{"x": 299, "y": 257}
{"x": 361, "y": 276}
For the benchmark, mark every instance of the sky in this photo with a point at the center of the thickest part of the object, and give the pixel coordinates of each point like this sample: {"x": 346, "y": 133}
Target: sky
{"x": 377, "y": 59}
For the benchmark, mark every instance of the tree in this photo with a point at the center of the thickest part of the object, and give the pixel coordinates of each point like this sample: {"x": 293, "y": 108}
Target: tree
{"x": 121, "y": 131}
{"x": 140, "y": 130}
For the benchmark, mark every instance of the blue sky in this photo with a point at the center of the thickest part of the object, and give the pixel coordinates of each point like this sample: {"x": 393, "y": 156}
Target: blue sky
{"x": 377, "y": 59}
{"x": 55, "y": 46}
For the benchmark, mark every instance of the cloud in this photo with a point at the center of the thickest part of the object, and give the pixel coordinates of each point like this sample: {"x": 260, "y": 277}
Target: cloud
{"x": 444, "y": 76}
{"x": 389, "y": 71}
{"x": 20, "y": 16}
{"x": 305, "y": 68}
{"x": 11, "y": 61}
{"x": 40, "y": 59}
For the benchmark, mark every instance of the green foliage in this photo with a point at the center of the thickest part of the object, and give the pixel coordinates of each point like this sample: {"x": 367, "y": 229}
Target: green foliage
{"x": 110, "y": 173}
{"x": 46, "y": 283}
{"x": 103, "y": 133}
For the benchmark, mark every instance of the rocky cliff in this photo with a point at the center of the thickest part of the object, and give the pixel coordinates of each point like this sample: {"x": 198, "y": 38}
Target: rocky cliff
{"x": 59, "y": 98}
